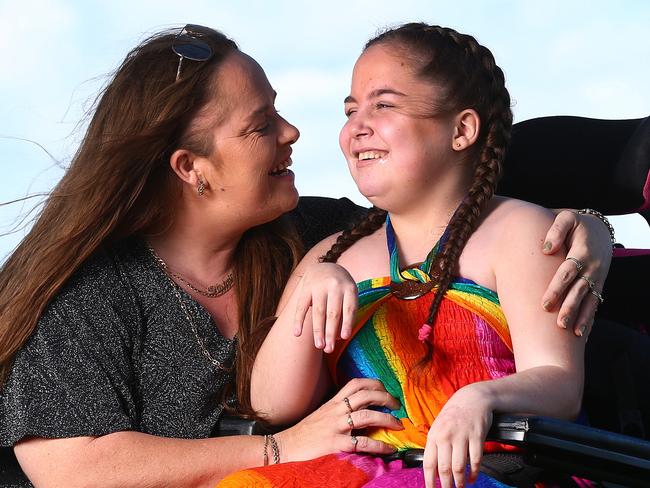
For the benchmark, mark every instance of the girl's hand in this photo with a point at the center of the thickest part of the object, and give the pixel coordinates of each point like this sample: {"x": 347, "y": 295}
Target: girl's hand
{"x": 456, "y": 438}
{"x": 331, "y": 293}
{"x": 588, "y": 242}
{"x": 329, "y": 429}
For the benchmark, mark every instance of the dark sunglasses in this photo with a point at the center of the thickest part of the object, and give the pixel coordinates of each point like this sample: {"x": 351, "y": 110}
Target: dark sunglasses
{"x": 188, "y": 45}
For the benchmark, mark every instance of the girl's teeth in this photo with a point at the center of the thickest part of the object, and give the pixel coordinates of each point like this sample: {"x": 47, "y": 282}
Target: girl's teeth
{"x": 368, "y": 155}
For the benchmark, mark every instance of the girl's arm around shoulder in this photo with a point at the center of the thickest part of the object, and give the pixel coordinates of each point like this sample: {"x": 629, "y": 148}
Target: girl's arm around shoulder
{"x": 289, "y": 378}
{"x": 549, "y": 358}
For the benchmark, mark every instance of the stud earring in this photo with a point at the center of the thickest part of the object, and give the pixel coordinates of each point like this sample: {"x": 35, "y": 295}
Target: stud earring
{"x": 200, "y": 189}
{"x": 458, "y": 144}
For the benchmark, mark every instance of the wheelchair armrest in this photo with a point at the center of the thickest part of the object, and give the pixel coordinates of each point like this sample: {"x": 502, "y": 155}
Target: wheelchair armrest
{"x": 230, "y": 425}
{"x": 566, "y": 447}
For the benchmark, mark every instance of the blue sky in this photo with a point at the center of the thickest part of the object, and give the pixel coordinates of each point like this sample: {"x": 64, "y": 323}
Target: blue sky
{"x": 587, "y": 58}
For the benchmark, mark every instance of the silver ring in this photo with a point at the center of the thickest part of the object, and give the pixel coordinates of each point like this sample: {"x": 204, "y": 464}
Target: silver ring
{"x": 597, "y": 295}
{"x": 346, "y": 400}
{"x": 589, "y": 281}
{"x": 579, "y": 264}
{"x": 350, "y": 422}
{"x": 355, "y": 441}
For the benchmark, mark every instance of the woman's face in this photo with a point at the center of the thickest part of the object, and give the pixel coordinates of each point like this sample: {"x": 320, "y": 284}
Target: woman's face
{"x": 394, "y": 147}
{"x": 247, "y": 171}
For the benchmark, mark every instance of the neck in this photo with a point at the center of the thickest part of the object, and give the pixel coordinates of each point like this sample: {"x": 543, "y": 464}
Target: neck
{"x": 419, "y": 227}
{"x": 195, "y": 250}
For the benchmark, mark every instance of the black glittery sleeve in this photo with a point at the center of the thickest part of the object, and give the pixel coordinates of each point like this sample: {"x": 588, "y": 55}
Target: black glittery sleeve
{"x": 73, "y": 377}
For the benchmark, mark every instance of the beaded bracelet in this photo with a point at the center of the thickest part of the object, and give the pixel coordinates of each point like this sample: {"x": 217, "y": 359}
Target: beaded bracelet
{"x": 602, "y": 218}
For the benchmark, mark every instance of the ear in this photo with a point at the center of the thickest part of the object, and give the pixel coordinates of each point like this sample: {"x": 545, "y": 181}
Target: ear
{"x": 466, "y": 129}
{"x": 183, "y": 163}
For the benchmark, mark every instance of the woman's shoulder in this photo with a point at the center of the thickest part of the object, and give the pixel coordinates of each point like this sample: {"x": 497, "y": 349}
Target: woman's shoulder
{"x": 318, "y": 217}
{"x": 107, "y": 271}
{"x": 105, "y": 284}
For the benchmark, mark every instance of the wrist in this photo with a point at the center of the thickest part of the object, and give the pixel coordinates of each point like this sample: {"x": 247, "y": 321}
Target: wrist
{"x": 482, "y": 392}
{"x": 602, "y": 218}
{"x": 270, "y": 450}
{"x": 282, "y": 441}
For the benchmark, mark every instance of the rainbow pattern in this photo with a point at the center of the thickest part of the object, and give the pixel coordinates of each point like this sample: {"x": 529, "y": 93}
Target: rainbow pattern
{"x": 471, "y": 342}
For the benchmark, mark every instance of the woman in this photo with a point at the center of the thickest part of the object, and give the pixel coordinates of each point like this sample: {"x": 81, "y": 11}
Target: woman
{"x": 428, "y": 122}
{"x": 142, "y": 285}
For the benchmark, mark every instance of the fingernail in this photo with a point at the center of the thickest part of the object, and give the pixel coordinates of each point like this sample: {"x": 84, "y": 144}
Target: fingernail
{"x": 319, "y": 343}
{"x": 564, "y": 322}
{"x": 547, "y": 305}
{"x": 296, "y": 331}
{"x": 581, "y": 332}
{"x": 547, "y": 245}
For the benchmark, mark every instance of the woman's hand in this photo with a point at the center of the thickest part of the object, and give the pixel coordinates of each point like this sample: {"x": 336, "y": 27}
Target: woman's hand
{"x": 590, "y": 246}
{"x": 456, "y": 438}
{"x": 329, "y": 429}
{"x": 331, "y": 293}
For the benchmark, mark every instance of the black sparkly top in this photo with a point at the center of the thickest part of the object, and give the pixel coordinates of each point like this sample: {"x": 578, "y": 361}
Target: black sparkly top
{"x": 114, "y": 350}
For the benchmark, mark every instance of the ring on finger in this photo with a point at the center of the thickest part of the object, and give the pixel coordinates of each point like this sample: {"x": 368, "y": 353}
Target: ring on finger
{"x": 350, "y": 422}
{"x": 579, "y": 264}
{"x": 346, "y": 400}
{"x": 597, "y": 295}
{"x": 355, "y": 441}
{"x": 589, "y": 281}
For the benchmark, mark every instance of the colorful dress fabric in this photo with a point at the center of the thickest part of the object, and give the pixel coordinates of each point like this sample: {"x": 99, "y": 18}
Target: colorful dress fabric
{"x": 471, "y": 343}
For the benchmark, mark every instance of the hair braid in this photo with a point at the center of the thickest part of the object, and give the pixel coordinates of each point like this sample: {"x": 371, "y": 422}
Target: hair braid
{"x": 470, "y": 78}
{"x": 371, "y": 222}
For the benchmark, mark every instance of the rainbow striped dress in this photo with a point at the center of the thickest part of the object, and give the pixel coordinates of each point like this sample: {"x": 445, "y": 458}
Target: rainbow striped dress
{"x": 471, "y": 343}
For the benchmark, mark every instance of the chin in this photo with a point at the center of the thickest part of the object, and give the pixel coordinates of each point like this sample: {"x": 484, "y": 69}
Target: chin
{"x": 288, "y": 203}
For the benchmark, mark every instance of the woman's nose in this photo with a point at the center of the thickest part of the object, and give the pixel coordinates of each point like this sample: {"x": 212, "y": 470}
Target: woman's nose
{"x": 289, "y": 132}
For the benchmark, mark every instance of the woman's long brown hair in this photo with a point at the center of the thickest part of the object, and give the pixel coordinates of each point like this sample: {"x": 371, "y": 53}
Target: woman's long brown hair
{"x": 470, "y": 79}
{"x": 120, "y": 185}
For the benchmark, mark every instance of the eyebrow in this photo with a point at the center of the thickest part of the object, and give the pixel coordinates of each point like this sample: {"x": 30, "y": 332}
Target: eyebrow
{"x": 376, "y": 93}
{"x": 263, "y": 108}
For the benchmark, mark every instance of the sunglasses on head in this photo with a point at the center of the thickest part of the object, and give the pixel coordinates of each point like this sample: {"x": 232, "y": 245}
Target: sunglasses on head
{"x": 188, "y": 45}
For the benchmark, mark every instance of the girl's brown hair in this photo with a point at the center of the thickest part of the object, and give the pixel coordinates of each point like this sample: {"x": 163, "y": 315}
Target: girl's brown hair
{"x": 470, "y": 79}
{"x": 120, "y": 185}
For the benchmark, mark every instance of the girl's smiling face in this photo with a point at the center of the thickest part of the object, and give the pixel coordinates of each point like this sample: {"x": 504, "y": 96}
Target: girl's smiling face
{"x": 396, "y": 142}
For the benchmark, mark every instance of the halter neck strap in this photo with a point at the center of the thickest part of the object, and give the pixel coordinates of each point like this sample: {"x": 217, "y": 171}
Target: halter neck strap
{"x": 419, "y": 273}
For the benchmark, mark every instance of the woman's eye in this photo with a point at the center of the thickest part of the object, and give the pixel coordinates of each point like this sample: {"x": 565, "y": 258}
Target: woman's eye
{"x": 379, "y": 105}
{"x": 349, "y": 112}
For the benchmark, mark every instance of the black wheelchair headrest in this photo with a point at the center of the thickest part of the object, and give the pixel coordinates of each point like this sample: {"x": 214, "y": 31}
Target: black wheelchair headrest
{"x": 578, "y": 162}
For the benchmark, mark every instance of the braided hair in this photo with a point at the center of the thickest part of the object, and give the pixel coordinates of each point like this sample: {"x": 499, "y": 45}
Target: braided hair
{"x": 470, "y": 79}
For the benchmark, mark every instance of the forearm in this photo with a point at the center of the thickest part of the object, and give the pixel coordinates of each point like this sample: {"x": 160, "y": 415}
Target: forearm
{"x": 544, "y": 390}
{"x": 289, "y": 379}
{"x": 137, "y": 460}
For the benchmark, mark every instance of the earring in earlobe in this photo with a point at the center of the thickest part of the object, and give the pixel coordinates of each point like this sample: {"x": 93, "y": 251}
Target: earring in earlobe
{"x": 458, "y": 144}
{"x": 200, "y": 189}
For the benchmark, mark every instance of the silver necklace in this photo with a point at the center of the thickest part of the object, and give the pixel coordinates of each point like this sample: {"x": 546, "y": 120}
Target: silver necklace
{"x": 217, "y": 364}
